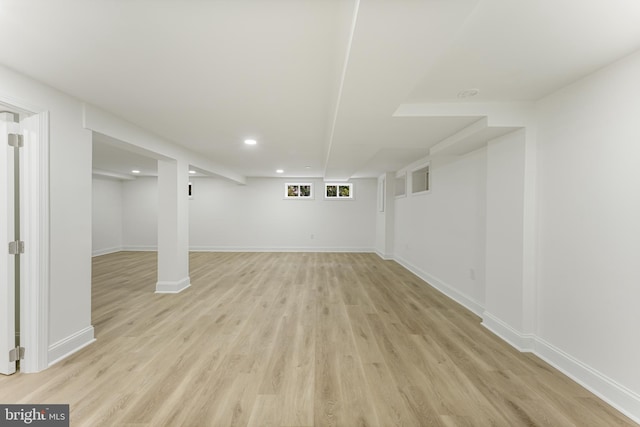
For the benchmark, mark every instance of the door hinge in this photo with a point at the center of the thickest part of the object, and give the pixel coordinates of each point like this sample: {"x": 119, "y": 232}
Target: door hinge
{"x": 16, "y": 354}
{"x": 16, "y": 247}
{"x": 16, "y": 140}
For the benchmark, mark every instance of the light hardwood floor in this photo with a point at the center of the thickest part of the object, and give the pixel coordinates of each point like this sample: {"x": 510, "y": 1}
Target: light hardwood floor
{"x": 296, "y": 339}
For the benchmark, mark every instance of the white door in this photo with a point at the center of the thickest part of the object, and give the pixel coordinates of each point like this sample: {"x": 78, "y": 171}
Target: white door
{"x": 7, "y": 234}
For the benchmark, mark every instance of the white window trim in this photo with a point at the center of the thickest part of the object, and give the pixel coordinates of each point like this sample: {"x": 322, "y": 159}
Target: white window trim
{"x": 286, "y": 191}
{"x": 338, "y": 197}
{"x": 414, "y": 171}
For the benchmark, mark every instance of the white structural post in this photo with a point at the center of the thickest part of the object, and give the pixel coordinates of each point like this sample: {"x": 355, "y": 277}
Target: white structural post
{"x": 173, "y": 226}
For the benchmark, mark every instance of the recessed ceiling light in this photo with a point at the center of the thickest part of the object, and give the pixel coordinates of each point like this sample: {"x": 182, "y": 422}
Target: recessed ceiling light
{"x": 468, "y": 93}
{"x": 250, "y": 141}
{"x": 135, "y": 171}
{"x": 279, "y": 171}
{"x": 192, "y": 172}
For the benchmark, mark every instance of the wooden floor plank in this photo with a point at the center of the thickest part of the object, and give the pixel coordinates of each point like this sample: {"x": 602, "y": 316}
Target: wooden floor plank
{"x": 296, "y": 339}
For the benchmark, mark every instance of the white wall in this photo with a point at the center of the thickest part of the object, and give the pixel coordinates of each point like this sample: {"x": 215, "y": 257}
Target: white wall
{"x": 228, "y": 216}
{"x": 440, "y": 235}
{"x": 70, "y": 210}
{"x": 589, "y": 227}
{"x": 140, "y": 210}
{"x": 107, "y": 215}
{"x": 504, "y": 230}
{"x": 574, "y": 299}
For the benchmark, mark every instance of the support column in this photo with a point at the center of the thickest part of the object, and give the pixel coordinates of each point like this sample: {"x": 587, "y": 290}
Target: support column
{"x": 173, "y": 226}
{"x": 389, "y": 214}
{"x": 510, "y": 239}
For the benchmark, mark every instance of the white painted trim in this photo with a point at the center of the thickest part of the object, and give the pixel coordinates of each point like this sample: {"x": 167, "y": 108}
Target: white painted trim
{"x": 285, "y": 249}
{"x": 71, "y": 344}
{"x": 7, "y": 262}
{"x": 166, "y": 287}
{"x": 34, "y": 308}
{"x": 411, "y": 174}
{"x": 312, "y": 194}
{"x": 615, "y": 394}
{"x": 446, "y": 289}
{"x": 106, "y": 251}
{"x": 139, "y": 248}
{"x": 21, "y": 105}
{"x": 618, "y": 396}
{"x": 522, "y": 342}
{"x": 384, "y": 256}
{"x": 338, "y": 184}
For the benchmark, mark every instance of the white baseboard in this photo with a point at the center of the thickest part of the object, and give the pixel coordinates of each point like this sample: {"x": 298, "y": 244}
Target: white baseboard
{"x": 618, "y": 396}
{"x": 106, "y": 251}
{"x": 448, "y": 290}
{"x": 167, "y": 287}
{"x": 615, "y": 394}
{"x": 276, "y": 249}
{"x": 522, "y": 342}
{"x": 71, "y": 344}
{"x": 142, "y": 248}
{"x": 385, "y": 257}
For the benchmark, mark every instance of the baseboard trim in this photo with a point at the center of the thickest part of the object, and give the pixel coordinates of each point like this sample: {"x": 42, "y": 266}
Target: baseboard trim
{"x": 615, "y": 394}
{"x": 272, "y": 249}
{"x": 384, "y": 256}
{"x": 522, "y": 342}
{"x": 72, "y": 344}
{"x": 106, "y": 251}
{"x": 167, "y": 287}
{"x": 239, "y": 249}
{"x": 140, "y": 248}
{"x": 620, "y": 397}
{"x": 441, "y": 286}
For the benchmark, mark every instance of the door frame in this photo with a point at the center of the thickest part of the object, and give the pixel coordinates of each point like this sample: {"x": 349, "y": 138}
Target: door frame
{"x": 7, "y": 261}
{"x": 34, "y": 208}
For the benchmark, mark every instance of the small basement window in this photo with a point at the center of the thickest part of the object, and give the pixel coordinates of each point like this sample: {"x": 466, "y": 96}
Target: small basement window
{"x": 420, "y": 180}
{"x": 298, "y": 190}
{"x": 338, "y": 191}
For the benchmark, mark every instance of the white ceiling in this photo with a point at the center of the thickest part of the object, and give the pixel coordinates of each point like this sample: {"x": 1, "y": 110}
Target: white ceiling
{"x": 314, "y": 81}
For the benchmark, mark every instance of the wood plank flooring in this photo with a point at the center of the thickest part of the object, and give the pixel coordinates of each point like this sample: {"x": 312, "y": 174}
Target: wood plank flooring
{"x": 296, "y": 339}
